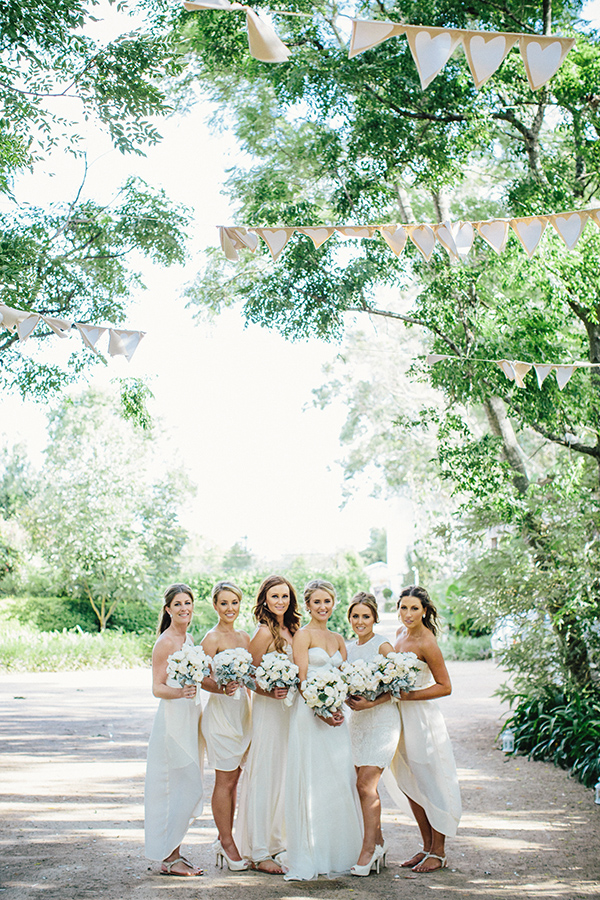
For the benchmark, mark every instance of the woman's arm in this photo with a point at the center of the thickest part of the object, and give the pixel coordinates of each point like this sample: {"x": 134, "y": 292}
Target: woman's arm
{"x": 443, "y": 686}
{"x": 300, "y": 646}
{"x": 160, "y": 688}
{"x": 358, "y": 703}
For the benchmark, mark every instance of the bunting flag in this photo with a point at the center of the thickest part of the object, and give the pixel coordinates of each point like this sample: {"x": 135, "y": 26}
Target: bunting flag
{"x": 431, "y": 49}
{"x": 121, "y": 342}
{"x": 516, "y": 370}
{"x": 262, "y": 40}
{"x": 456, "y": 238}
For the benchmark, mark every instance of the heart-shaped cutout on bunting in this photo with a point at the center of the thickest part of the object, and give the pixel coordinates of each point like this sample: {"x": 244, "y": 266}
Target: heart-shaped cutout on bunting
{"x": 317, "y": 235}
{"x": 494, "y": 232}
{"x": 570, "y": 227}
{"x": 464, "y": 235}
{"x": 529, "y": 231}
{"x": 542, "y": 61}
{"x": 432, "y": 54}
{"x": 275, "y": 239}
{"x": 395, "y": 238}
{"x": 444, "y": 235}
{"x": 423, "y": 238}
{"x": 354, "y": 231}
{"x": 485, "y": 55}
{"x": 368, "y": 34}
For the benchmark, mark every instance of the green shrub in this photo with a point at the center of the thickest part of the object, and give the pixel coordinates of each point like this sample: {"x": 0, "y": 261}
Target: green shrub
{"x": 562, "y": 729}
{"x": 59, "y": 613}
{"x": 465, "y": 647}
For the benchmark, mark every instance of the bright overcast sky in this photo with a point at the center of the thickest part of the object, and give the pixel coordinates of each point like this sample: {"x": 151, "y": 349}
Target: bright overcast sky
{"x": 234, "y": 401}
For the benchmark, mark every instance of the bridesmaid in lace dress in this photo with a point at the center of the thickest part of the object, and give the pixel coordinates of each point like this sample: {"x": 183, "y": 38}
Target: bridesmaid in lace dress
{"x": 374, "y": 730}
{"x": 226, "y": 724}
{"x": 173, "y": 789}
{"x": 322, "y": 810}
{"x": 262, "y": 788}
{"x": 423, "y": 766}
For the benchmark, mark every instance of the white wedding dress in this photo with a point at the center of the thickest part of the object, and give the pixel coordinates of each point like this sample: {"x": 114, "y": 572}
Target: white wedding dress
{"x": 374, "y": 732}
{"x": 423, "y": 766}
{"x": 227, "y": 729}
{"x": 173, "y": 788}
{"x": 261, "y": 819}
{"x": 322, "y": 810}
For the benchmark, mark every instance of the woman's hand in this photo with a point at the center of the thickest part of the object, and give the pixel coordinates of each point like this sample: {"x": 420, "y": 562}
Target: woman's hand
{"x": 280, "y": 693}
{"x": 336, "y": 718}
{"x": 189, "y": 691}
{"x": 357, "y": 703}
{"x": 230, "y": 688}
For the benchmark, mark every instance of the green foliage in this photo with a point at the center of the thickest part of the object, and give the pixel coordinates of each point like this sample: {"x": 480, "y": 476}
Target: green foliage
{"x": 465, "y": 647}
{"x": 560, "y": 727}
{"x": 134, "y": 398}
{"x": 376, "y": 550}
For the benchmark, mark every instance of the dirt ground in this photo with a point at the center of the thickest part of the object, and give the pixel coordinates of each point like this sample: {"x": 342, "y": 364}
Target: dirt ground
{"x": 72, "y": 761}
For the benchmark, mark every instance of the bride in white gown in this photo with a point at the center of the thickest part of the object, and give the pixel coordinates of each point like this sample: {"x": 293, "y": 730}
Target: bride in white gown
{"x": 423, "y": 766}
{"x": 261, "y": 819}
{"x": 322, "y": 809}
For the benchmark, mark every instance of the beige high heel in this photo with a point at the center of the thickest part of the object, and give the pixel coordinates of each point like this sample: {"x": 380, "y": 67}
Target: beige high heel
{"x": 234, "y": 865}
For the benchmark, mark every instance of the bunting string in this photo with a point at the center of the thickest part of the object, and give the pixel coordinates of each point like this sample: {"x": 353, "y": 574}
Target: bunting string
{"x": 516, "y": 370}
{"x": 121, "y": 341}
{"x": 431, "y": 48}
{"x": 455, "y": 237}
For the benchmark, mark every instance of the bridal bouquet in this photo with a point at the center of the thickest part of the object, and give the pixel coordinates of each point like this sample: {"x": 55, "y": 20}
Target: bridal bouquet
{"x": 361, "y": 679}
{"x": 188, "y": 666}
{"x": 324, "y": 691}
{"x": 276, "y": 670}
{"x": 397, "y": 672}
{"x": 233, "y": 665}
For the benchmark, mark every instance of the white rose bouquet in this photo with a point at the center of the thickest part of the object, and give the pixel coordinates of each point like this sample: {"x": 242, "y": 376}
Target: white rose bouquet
{"x": 361, "y": 679}
{"x": 188, "y": 666}
{"x": 276, "y": 670}
{"x": 397, "y": 672}
{"x": 233, "y": 665}
{"x": 324, "y": 692}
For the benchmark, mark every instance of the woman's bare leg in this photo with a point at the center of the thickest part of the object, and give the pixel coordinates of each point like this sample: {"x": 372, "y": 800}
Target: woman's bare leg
{"x": 223, "y": 809}
{"x": 366, "y": 783}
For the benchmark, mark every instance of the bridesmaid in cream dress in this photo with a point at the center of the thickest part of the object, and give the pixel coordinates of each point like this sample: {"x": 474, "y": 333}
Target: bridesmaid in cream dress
{"x": 423, "y": 766}
{"x": 322, "y": 810}
{"x": 374, "y": 731}
{"x": 262, "y": 787}
{"x": 173, "y": 789}
{"x": 226, "y": 724}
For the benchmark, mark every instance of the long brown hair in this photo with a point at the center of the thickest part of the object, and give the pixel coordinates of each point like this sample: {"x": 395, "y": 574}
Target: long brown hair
{"x": 164, "y": 619}
{"x": 430, "y": 619}
{"x": 262, "y": 613}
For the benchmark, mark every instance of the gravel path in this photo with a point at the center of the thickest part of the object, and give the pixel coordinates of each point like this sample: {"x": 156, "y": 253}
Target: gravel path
{"x": 72, "y": 757}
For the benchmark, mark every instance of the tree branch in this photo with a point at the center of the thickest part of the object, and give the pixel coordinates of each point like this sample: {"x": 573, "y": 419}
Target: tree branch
{"x": 387, "y": 314}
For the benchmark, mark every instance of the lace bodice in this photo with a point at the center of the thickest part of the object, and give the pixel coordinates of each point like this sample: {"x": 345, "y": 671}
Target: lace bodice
{"x": 366, "y": 651}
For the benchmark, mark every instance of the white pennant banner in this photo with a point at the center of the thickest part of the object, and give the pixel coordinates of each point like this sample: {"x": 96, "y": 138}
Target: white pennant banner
{"x": 455, "y": 237}
{"x": 515, "y": 370}
{"x": 24, "y": 322}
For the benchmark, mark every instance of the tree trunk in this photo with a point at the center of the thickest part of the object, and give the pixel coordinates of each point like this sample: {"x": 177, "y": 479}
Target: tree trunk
{"x": 501, "y": 426}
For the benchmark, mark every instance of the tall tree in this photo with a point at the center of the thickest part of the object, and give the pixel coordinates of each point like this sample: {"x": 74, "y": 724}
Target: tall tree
{"x": 353, "y": 141}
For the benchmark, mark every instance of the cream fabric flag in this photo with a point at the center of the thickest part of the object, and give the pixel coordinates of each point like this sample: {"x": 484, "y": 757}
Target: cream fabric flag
{"x": 367, "y": 33}
{"x": 275, "y": 238}
{"x": 423, "y": 237}
{"x": 529, "y": 230}
{"x": 486, "y": 52}
{"x": 394, "y": 236}
{"x": 464, "y": 235}
{"x": 432, "y": 358}
{"x": 431, "y": 49}
{"x": 494, "y": 232}
{"x": 90, "y": 334}
{"x": 262, "y": 40}
{"x": 595, "y": 216}
{"x": 234, "y": 239}
{"x": 542, "y": 370}
{"x": 515, "y": 370}
{"x": 444, "y": 235}
{"x": 542, "y": 56}
{"x": 123, "y": 342}
{"x": 317, "y": 234}
{"x": 507, "y": 368}
{"x": 356, "y": 231}
{"x": 25, "y": 326}
{"x": 61, "y": 327}
{"x": 11, "y": 316}
{"x": 570, "y": 226}
{"x": 563, "y": 374}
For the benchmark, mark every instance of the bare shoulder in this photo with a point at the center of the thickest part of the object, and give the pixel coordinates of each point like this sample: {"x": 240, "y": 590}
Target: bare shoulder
{"x": 301, "y": 638}
{"x": 244, "y": 639}
{"x": 385, "y": 648}
{"x": 210, "y": 642}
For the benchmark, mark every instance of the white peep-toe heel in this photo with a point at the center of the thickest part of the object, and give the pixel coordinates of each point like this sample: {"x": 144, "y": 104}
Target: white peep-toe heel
{"x": 234, "y": 865}
{"x": 372, "y": 864}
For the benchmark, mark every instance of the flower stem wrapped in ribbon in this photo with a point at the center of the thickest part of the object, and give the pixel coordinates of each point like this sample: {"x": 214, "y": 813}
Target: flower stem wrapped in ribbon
{"x": 190, "y": 665}
{"x": 397, "y": 672}
{"x": 324, "y": 692}
{"x": 276, "y": 670}
{"x": 233, "y": 665}
{"x": 362, "y": 679}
